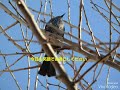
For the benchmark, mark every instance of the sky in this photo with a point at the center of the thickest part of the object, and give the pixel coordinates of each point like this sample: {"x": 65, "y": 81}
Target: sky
{"x": 98, "y": 25}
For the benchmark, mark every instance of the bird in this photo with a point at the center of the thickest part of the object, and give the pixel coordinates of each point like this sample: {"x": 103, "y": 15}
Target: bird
{"x": 47, "y": 68}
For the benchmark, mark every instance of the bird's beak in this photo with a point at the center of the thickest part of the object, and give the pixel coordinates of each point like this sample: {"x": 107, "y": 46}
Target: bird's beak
{"x": 62, "y": 15}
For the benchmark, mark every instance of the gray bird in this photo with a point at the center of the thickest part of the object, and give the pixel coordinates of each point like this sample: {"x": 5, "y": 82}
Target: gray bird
{"x": 47, "y": 67}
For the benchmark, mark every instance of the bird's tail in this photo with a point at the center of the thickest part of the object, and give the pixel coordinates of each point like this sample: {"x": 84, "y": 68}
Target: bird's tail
{"x": 47, "y": 69}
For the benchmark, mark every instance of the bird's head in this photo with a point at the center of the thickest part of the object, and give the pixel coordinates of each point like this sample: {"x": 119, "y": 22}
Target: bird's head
{"x": 60, "y": 17}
